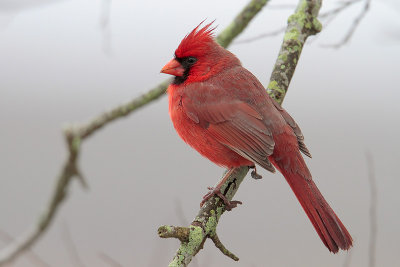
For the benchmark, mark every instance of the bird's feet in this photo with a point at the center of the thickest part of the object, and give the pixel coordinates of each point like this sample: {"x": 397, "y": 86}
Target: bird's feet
{"x": 254, "y": 173}
{"x": 229, "y": 205}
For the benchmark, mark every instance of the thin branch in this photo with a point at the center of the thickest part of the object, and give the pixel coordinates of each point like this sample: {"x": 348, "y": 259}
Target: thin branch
{"x": 181, "y": 233}
{"x": 71, "y": 247}
{"x": 372, "y": 211}
{"x": 329, "y": 16}
{"x": 68, "y": 171}
{"x": 34, "y": 258}
{"x": 205, "y": 223}
{"x": 353, "y": 27}
{"x": 281, "y": 6}
{"x": 75, "y": 135}
{"x": 261, "y": 36}
{"x": 302, "y": 24}
{"x": 240, "y": 22}
{"x": 222, "y": 248}
{"x": 334, "y": 12}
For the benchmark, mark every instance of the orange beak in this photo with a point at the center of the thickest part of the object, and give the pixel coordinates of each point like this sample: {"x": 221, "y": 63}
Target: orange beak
{"x": 173, "y": 67}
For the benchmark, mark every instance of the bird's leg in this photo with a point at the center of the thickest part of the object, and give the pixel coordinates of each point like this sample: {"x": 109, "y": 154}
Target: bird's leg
{"x": 229, "y": 205}
{"x": 254, "y": 173}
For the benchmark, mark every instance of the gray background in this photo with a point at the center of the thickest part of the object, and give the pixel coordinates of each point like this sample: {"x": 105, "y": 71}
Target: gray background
{"x": 56, "y": 67}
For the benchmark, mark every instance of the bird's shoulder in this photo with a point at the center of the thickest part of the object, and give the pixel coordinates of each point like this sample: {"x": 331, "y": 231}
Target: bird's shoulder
{"x": 235, "y": 83}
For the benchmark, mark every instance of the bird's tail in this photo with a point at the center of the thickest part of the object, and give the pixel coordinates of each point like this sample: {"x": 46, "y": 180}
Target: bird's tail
{"x": 328, "y": 226}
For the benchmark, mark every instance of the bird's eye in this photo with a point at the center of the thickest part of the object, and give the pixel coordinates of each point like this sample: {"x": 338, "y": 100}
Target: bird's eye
{"x": 191, "y": 60}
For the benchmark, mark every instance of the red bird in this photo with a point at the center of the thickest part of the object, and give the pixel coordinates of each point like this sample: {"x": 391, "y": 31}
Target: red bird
{"x": 221, "y": 110}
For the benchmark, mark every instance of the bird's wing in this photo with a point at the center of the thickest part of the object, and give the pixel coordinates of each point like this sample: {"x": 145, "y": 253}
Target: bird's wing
{"x": 296, "y": 129}
{"x": 235, "y": 124}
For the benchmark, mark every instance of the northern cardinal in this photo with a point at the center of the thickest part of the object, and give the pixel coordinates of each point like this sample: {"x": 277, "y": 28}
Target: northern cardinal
{"x": 221, "y": 110}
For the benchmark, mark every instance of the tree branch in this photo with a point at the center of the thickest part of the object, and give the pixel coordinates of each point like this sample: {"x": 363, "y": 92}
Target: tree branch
{"x": 301, "y": 25}
{"x": 71, "y": 247}
{"x": 33, "y": 257}
{"x": 261, "y": 36}
{"x": 75, "y": 135}
{"x": 354, "y": 25}
{"x": 240, "y": 22}
{"x": 326, "y": 19}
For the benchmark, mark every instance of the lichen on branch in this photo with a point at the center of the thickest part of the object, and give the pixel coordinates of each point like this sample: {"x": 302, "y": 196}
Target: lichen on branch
{"x": 75, "y": 136}
{"x": 205, "y": 223}
{"x": 301, "y": 25}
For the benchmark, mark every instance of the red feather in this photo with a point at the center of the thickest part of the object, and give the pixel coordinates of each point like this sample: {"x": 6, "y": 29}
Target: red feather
{"x": 221, "y": 110}
{"x": 196, "y": 41}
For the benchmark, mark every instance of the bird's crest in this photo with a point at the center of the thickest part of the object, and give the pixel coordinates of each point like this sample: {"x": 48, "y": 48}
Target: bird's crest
{"x": 196, "y": 42}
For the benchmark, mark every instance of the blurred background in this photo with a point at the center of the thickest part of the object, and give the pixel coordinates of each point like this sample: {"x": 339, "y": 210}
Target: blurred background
{"x": 67, "y": 61}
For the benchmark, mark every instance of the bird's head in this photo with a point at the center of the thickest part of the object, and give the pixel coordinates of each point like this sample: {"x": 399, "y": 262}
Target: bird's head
{"x": 198, "y": 57}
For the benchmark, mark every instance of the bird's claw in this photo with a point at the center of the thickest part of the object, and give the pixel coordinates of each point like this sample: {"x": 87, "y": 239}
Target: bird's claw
{"x": 255, "y": 175}
{"x": 229, "y": 205}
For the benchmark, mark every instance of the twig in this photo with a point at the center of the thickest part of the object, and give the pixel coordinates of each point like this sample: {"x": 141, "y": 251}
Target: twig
{"x": 181, "y": 233}
{"x": 261, "y": 36}
{"x": 301, "y": 25}
{"x": 334, "y": 12}
{"x": 71, "y": 247}
{"x": 281, "y": 6}
{"x": 222, "y": 248}
{"x": 75, "y": 135}
{"x": 372, "y": 211}
{"x": 34, "y": 258}
{"x": 329, "y": 16}
{"x": 205, "y": 223}
{"x": 352, "y": 28}
{"x": 240, "y": 22}
{"x": 68, "y": 171}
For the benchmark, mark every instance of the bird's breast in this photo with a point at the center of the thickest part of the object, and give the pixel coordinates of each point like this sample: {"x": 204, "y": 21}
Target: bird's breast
{"x": 198, "y": 136}
{"x": 187, "y": 129}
